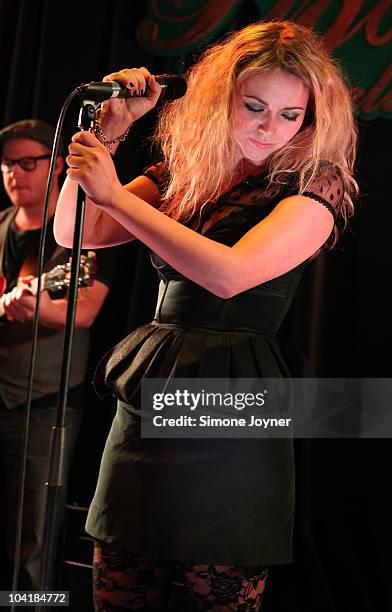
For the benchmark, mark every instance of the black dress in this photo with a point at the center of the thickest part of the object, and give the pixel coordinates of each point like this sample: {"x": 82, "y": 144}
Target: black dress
{"x": 220, "y": 501}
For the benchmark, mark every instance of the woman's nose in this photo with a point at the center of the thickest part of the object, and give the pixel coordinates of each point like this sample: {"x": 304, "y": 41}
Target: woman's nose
{"x": 265, "y": 124}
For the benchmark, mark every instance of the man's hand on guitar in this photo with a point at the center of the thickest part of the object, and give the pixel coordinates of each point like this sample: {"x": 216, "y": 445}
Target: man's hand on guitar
{"x": 19, "y": 304}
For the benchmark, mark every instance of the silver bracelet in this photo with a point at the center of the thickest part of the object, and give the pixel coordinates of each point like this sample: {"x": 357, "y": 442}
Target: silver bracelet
{"x": 109, "y": 143}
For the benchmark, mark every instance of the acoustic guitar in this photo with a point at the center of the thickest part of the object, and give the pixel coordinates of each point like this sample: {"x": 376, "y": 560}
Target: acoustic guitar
{"x": 56, "y": 280}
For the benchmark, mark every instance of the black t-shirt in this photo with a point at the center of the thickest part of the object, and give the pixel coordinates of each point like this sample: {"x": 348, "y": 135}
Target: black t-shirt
{"x": 21, "y": 244}
{"x": 17, "y": 249}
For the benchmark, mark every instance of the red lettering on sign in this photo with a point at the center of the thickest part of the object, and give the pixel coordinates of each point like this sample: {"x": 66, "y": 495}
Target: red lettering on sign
{"x": 373, "y": 99}
{"x": 342, "y": 30}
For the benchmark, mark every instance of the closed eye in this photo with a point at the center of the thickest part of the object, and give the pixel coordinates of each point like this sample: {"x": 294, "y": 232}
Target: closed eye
{"x": 291, "y": 116}
{"x": 260, "y": 109}
{"x": 254, "y": 109}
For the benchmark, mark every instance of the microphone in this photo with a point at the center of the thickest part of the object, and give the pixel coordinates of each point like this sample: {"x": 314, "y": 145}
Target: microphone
{"x": 173, "y": 86}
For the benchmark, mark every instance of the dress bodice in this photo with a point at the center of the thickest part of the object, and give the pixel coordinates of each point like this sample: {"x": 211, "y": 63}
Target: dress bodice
{"x": 259, "y": 309}
{"x": 262, "y": 308}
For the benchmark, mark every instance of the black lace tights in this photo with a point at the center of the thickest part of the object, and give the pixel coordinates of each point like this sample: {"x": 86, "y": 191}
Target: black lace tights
{"x": 126, "y": 582}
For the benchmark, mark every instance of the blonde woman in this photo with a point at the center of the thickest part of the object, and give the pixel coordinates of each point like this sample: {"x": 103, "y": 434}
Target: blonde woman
{"x": 255, "y": 179}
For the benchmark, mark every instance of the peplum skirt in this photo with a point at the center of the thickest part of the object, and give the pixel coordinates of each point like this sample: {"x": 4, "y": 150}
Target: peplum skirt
{"x": 223, "y": 501}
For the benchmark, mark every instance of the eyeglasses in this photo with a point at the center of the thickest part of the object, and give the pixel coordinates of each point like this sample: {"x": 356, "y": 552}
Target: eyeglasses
{"x": 26, "y": 163}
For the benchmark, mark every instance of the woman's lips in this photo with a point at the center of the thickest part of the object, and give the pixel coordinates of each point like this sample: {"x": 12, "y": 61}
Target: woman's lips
{"x": 261, "y": 145}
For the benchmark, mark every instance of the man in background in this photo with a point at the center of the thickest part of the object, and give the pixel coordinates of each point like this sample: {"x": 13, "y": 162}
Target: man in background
{"x": 25, "y": 148}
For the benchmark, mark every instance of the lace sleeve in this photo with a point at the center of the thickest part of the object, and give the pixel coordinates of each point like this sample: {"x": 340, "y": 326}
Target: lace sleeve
{"x": 158, "y": 174}
{"x": 327, "y": 188}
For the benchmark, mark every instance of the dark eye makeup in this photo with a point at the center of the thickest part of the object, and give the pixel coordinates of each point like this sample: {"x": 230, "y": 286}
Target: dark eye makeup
{"x": 260, "y": 109}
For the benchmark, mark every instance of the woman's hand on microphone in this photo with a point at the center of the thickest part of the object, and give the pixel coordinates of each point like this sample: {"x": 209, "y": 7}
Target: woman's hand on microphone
{"x": 118, "y": 113}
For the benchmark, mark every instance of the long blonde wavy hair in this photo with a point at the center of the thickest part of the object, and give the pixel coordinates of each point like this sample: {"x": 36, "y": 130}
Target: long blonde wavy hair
{"x": 197, "y": 136}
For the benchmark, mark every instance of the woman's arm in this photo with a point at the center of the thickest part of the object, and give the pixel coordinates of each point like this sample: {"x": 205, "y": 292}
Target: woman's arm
{"x": 100, "y": 229}
{"x": 296, "y": 228}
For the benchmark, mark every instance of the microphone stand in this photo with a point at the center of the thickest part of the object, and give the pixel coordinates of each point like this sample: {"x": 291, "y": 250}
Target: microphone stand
{"x": 55, "y": 484}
